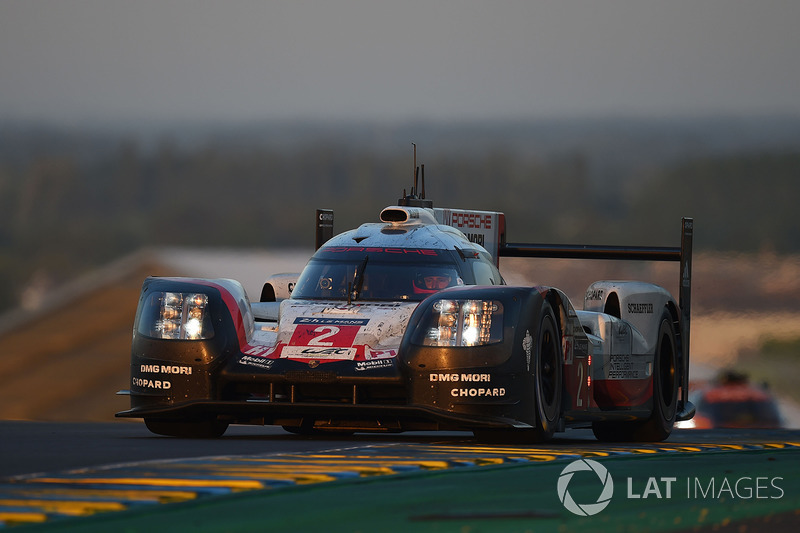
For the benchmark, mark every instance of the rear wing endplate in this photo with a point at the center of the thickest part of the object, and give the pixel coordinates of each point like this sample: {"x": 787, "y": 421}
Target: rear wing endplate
{"x": 324, "y": 227}
{"x": 682, "y": 254}
{"x": 486, "y": 228}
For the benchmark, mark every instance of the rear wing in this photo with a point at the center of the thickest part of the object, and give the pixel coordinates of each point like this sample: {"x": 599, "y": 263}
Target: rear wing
{"x": 486, "y": 228}
{"x": 324, "y": 227}
{"x": 682, "y": 254}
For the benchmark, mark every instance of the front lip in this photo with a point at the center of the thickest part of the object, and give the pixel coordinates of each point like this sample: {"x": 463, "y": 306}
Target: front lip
{"x": 262, "y": 408}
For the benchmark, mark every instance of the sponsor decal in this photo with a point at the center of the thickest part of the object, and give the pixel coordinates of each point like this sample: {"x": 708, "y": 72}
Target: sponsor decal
{"x": 477, "y": 393}
{"x": 468, "y": 392}
{"x": 465, "y": 219}
{"x": 374, "y": 364}
{"x": 353, "y": 309}
{"x": 151, "y": 383}
{"x": 371, "y": 354}
{"x": 580, "y": 347}
{"x": 260, "y": 350}
{"x": 594, "y": 294}
{"x": 165, "y": 369}
{"x": 527, "y": 346}
{"x": 461, "y": 377}
{"x": 258, "y": 362}
{"x": 373, "y": 250}
{"x": 640, "y": 308}
{"x": 567, "y": 348}
{"x": 480, "y": 227}
{"x": 626, "y": 366}
{"x": 310, "y": 352}
{"x": 331, "y": 321}
{"x": 686, "y": 282}
{"x": 477, "y": 238}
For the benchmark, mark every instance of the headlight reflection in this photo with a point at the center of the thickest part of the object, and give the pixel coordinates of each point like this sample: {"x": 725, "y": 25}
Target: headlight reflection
{"x": 464, "y": 323}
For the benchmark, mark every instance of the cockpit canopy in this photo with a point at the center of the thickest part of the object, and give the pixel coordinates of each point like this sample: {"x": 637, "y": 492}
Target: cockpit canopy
{"x": 391, "y": 274}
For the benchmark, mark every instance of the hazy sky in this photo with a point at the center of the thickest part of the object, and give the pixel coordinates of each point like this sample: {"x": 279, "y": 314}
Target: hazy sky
{"x": 75, "y": 60}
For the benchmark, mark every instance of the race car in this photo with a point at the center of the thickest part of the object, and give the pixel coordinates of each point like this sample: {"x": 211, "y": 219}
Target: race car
{"x": 732, "y": 402}
{"x": 407, "y": 324}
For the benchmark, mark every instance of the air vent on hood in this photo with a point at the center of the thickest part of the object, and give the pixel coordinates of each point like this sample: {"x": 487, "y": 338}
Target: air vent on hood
{"x": 406, "y": 215}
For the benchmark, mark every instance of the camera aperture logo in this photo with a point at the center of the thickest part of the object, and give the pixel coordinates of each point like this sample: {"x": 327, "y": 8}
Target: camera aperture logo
{"x": 585, "y": 509}
{"x": 697, "y": 488}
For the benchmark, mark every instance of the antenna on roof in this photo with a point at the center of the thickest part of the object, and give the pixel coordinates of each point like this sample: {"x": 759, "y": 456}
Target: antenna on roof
{"x": 416, "y": 170}
{"x": 415, "y": 199}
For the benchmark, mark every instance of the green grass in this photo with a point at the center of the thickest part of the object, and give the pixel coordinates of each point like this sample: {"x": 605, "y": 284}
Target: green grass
{"x": 512, "y": 497}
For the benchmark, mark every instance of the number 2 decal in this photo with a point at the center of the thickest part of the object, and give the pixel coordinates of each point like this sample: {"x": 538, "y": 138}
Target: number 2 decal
{"x": 325, "y": 335}
{"x": 327, "y": 331}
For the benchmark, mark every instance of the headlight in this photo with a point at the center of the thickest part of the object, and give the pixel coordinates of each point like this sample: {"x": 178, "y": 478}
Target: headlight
{"x": 176, "y": 315}
{"x": 463, "y": 323}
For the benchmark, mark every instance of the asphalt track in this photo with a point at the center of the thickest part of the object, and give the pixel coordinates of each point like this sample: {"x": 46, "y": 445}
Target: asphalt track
{"x": 119, "y": 477}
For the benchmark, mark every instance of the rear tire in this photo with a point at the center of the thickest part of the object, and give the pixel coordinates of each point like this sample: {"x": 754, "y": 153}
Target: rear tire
{"x": 187, "y": 429}
{"x": 665, "y": 395}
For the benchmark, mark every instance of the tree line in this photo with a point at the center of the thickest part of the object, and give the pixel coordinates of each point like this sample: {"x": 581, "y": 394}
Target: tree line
{"x": 64, "y": 210}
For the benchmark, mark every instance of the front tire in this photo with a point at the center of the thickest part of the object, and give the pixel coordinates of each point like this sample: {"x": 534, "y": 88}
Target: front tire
{"x": 665, "y": 395}
{"x": 547, "y": 386}
{"x": 547, "y": 376}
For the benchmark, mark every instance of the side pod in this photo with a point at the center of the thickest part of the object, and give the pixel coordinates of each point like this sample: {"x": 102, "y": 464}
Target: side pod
{"x": 682, "y": 254}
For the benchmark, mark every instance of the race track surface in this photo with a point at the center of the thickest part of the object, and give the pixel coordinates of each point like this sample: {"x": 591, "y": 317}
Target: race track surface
{"x": 79, "y": 476}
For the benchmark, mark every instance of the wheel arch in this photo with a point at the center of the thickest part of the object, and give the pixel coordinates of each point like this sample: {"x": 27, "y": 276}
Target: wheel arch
{"x": 612, "y": 305}
{"x": 560, "y": 304}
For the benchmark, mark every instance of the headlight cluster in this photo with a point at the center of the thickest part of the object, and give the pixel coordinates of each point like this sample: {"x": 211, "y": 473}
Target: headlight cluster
{"x": 176, "y": 315}
{"x": 464, "y": 323}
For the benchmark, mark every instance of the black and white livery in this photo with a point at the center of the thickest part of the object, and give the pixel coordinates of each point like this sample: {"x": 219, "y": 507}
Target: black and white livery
{"x": 407, "y": 324}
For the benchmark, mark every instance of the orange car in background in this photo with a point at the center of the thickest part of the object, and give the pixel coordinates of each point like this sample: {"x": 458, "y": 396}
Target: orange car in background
{"x": 733, "y": 402}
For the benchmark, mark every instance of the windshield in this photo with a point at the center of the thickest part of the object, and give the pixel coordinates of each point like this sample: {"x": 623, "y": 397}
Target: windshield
{"x": 325, "y": 279}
